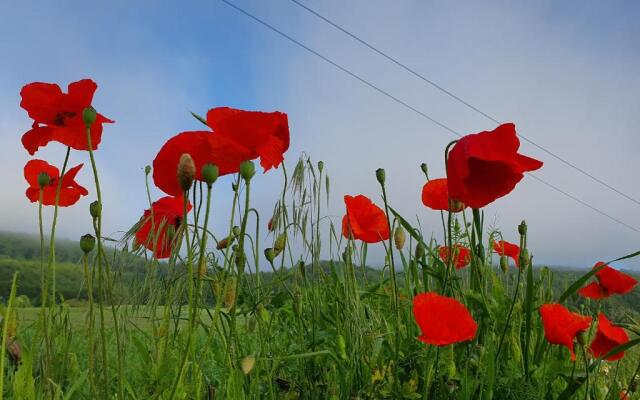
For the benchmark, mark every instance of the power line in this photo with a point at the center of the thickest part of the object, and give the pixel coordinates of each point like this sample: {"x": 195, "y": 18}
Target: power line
{"x": 410, "y": 107}
{"x": 462, "y": 101}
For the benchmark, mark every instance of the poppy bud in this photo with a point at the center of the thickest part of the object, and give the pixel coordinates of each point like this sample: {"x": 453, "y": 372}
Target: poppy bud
{"x": 186, "y": 171}
{"x": 320, "y": 166}
{"x": 504, "y": 263}
{"x": 280, "y": 243}
{"x": 43, "y": 179}
{"x": 224, "y": 243}
{"x": 89, "y": 116}
{"x": 210, "y": 173}
{"x": 270, "y": 225}
{"x": 420, "y": 250}
{"x": 147, "y": 170}
{"x": 247, "y": 364}
{"x": 269, "y": 254}
{"x": 247, "y": 170}
{"x": 522, "y": 228}
{"x": 230, "y": 294}
{"x": 87, "y": 243}
{"x": 455, "y": 205}
{"x": 380, "y": 175}
{"x": 95, "y": 209}
{"x": 399, "y": 238}
{"x": 14, "y": 350}
{"x": 581, "y": 338}
{"x": 424, "y": 168}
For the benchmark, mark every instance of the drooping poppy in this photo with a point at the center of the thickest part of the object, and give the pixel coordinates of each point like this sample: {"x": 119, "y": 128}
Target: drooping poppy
{"x": 153, "y": 232}
{"x": 607, "y": 338}
{"x": 508, "y": 249}
{"x": 561, "y": 326}
{"x": 461, "y": 255}
{"x": 485, "y": 166}
{"x": 364, "y": 220}
{"x": 435, "y": 195}
{"x": 609, "y": 282}
{"x": 70, "y": 190}
{"x": 57, "y": 116}
{"x": 443, "y": 320}
{"x": 237, "y": 136}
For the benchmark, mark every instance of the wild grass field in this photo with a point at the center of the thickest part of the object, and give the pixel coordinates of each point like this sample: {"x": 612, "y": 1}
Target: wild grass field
{"x": 172, "y": 310}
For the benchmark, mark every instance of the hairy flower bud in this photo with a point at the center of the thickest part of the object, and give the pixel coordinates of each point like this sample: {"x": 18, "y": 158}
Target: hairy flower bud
{"x": 524, "y": 258}
{"x": 320, "y": 166}
{"x": 280, "y": 243}
{"x": 43, "y": 179}
{"x": 399, "y": 238}
{"x": 224, "y": 243}
{"x": 147, "y": 170}
{"x": 87, "y": 243}
{"x": 269, "y": 254}
{"x": 380, "y": 175}
{"x": 186, "y": 171}
{"x": 210, "y": 173}
{"x": 89, "y": 116}
{"x": 235, "y": 230}
{"x": 420, "y": 250}
{"x": 504, "y": 263}
{"x": 95, "y": 209}
{"x": 247, "y": 170}
{"x": 424, "y": 168}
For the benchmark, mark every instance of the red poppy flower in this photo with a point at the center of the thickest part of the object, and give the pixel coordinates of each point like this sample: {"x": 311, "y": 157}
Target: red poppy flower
{"x": 442, "y": 320}
{"x": 607, "y": 338}
{"x": 485, "y": 166}
{"x": 508, "y": 249}
{"x": 57, "y": 116}
{"x": 167, "y": 211}
{"x": 610, "y": 282}
{"x": 435, "y": 195}
{"x": 237, "y": 136}
{"x": 364, "y": 220}
{"x": 561, "y": 326}
{"x": 265, "y": 134}
{"x": 70, "y": 191}
{"x": 462, "y": 255}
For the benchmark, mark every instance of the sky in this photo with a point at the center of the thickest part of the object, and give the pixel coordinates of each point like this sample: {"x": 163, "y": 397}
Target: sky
{"x": 566, "y": 73}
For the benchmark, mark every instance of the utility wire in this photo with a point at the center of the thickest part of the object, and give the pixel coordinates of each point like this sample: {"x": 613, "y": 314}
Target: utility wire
{"x": 462, "y": 101}
{"x": 410, "y": 107}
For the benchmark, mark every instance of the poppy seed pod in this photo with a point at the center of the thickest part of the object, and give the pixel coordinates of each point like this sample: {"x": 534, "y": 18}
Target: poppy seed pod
{"x": 320, "y": 166}
{"x": 380, "y": 175}
{"x": 95, "y": 209}
{"x": 89, "y": 116}
{"x": 399, "y": 238}
{"x": 147, "y": 170}
{"x": 43, "y": 179}
{"x": 186, "y": 171}
{"x": 87, "y": 243}
{"x": 522, "y": 228}
{"x": 210, "y": 173}
{"x": 247, "y": 170}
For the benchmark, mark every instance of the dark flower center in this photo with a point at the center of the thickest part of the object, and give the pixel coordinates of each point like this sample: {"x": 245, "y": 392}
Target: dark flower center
{"x": 62, "y": 116}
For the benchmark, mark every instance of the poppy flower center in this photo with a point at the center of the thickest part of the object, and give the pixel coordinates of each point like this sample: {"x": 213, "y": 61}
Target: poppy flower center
{"x": 60, "y": 118}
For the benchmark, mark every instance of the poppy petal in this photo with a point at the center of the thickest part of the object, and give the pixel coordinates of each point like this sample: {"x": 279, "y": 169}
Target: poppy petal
{"x": 442, "y": 320}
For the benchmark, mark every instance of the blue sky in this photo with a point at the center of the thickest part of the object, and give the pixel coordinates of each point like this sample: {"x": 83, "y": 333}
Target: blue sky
{"x": 565, "y": 72}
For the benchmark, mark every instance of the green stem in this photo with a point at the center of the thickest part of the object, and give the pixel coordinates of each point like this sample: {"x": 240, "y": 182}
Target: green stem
{"x": 89, "y": 280}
